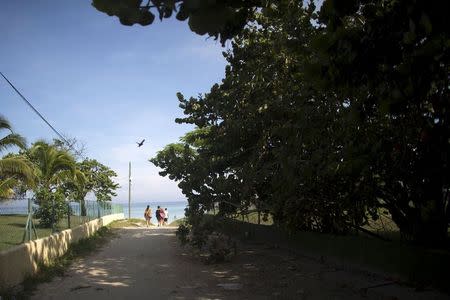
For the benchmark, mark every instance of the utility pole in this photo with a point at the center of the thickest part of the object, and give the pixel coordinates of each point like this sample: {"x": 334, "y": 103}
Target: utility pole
{"x": 129, "y": 190}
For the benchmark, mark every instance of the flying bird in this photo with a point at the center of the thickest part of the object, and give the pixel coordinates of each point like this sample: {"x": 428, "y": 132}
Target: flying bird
{"x": 141, "y": 143}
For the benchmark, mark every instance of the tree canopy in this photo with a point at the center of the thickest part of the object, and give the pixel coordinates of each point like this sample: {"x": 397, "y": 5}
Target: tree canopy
{"x": 12, "y": 169}
{"x": 53, "y": 175}
{"x": 326, "y": 118}
{"x": 98, "y": 180}
{"x": 220, "y": 19}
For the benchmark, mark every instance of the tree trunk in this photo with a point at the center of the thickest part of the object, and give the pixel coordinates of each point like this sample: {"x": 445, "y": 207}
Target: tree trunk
{"x": 83, "y": 208}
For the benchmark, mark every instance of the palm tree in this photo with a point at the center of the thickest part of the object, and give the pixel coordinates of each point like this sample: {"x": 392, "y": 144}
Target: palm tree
{"x": 15, "y": 167}
{"x": 54, "y": 166}
{"x": 54, "y": 169}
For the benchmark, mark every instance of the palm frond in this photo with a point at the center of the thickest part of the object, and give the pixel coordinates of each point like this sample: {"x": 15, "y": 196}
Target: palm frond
{"x": 4, "y": 124}
{"x": 6, "y": 187}
{"x": 18, "y": 167}
{"x": 80, "y": 178}
{"x": 56, "y": 166}
{"x": 11, "y": 140}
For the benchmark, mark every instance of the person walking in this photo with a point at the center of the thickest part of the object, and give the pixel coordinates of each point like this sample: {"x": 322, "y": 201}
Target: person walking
{"x": 166, "y": 216}
{"x": 162, "y": 215}
{"x": 148, "y": 215}
{"x": 158, "y": 216}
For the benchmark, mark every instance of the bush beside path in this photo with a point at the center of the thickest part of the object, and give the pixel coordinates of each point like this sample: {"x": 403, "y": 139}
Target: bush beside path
{"x": 149, "y": 263}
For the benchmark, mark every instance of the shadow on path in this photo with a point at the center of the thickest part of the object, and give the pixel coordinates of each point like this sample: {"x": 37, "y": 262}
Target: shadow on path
{"x": 148, "y": 263}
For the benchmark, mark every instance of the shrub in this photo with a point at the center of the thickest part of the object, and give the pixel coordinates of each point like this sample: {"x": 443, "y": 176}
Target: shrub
{"x": 52, "y": 207}
{"x": 219, "y": 247}
{"x": 203, "y": 236}
{"x": 183, "y": 233}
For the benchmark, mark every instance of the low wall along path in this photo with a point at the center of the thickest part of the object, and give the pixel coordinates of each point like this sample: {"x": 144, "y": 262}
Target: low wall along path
{"x": 18, "y": 262}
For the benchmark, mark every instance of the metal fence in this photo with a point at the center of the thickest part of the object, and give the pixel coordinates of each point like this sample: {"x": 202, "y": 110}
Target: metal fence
{"x": 19, "y": 220}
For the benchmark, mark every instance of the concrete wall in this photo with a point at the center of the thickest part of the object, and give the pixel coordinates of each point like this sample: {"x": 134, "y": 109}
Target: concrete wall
{"x": 18, "y": 262}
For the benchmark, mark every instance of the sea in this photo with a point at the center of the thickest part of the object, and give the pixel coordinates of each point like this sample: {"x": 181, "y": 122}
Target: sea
{"x": 175, "y": 208}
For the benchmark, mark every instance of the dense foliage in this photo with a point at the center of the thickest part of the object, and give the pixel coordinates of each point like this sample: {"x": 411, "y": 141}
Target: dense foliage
{"x": 13, "y": 170}
{"x": 98, "y": 180}
{"x": 390, "y": 59}
{"x": 53, "y": 167}
{"x": 325, "y": 119}
{"x": 221, "y": 19}
{"x": 53, "y": 175}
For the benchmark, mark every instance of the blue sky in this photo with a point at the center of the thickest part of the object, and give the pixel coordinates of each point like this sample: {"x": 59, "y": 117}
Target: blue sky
{"x": 103, "y": 83}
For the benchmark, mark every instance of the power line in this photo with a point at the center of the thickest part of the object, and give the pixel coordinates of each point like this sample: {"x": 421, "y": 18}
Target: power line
{"x": 70, "y": 145}
{"x": 35, "y": 110}
{"x": 42, "y": 117}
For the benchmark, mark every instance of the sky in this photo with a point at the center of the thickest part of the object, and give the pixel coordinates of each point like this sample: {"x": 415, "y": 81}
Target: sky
{"x": 105, "y": 84}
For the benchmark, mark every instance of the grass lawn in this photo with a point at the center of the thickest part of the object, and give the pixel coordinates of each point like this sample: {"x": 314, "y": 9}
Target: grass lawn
{"x": 128, "y": 223}
{"x": 253, "y": 219}
{"x": 383, "y": 226}
{"x": 12, "y": 228}
{"x": 177, "y": 222}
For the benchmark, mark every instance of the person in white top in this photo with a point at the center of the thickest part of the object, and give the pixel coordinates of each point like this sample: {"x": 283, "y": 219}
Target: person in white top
{"x": 166, "y": 216}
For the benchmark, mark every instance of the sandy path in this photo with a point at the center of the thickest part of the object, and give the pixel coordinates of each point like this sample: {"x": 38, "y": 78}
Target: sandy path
{"x": 147, "y": 263}
{"x": 142, "y": 263}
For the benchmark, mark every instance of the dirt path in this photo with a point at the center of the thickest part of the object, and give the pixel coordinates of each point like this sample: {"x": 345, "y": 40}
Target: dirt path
{"x": 148, "y": 263}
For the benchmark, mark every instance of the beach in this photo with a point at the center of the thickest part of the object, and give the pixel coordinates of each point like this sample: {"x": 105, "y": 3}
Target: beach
{"x": 175, "y": 208}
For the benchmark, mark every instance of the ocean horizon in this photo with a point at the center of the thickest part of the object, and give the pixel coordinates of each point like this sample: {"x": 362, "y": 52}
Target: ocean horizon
{"x": 175, "y": 208}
